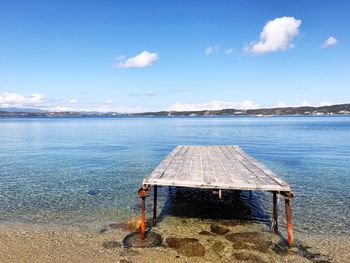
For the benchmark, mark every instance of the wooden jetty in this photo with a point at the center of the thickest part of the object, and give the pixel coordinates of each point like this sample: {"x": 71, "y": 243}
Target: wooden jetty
{"x": 216, "y": 168}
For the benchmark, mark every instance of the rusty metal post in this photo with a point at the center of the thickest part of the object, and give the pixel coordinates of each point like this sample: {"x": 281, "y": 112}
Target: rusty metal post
{"x": 288, "y": 196}
{"x": 275, "y": 212}
{"x": 143, "y": 193}
{"x": 143, "y": 218}
{"x": 155, "y": 205}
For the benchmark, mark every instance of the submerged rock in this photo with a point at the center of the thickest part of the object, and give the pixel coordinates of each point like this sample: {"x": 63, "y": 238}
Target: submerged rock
{"x": 189, "y": 247}
{"x": 219, "y": 230}
{"x": 93, "y": 192}
{"x": 250, "y": 240}
{"x": 176, "y": 242}
{"x": 240, "y": 245}
{"x": 218, "y": 247}
{"x": 194, "y": 249}
{"x": 205, "y": 233}
{"x": 252, "y": 237}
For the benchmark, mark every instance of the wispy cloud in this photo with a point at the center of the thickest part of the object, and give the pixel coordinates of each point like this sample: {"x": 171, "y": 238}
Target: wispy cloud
{"x": 73, "y": 101}
{"x": 277, "y": 35}
{"x": 142, "y": 60}
{"x": 214, "y": 105}
{"x": 113, "y": 107}
{"x": 212, "y": 49}
{"x": 147, "y": 94}
{"x": 180, "y": 90}
{"x": 228, "y": 51}
{"x": 216, "y": 49}
{"x": 326, "y": 103}
{"x": 285, "y": 105}
{"x": 8, "y": 99}
{"x": 331, "y": 41}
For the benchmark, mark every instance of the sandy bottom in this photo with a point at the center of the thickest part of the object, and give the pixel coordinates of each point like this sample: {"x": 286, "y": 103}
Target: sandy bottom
{"x": 184, "y": 240}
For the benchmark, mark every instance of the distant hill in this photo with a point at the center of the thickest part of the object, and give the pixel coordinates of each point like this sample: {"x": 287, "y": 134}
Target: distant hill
{"x": 341, "y": 109}
{"x": 333, "y": 109}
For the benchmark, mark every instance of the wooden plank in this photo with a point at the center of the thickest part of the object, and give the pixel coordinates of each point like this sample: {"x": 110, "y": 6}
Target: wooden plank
{"x": 174, "y": 167}
{"x": 215, "y": 167}
{"x": 185, "y": 168}
{"x": 256, "y": 174}
{"x": 220, "y": 170}
{"x": 262, "y": 167}
{"x": 207, "y": 167}
{"x": 160, "y": 169}
{"x": 238, "y": 172}
{"x": 196, "y": 174}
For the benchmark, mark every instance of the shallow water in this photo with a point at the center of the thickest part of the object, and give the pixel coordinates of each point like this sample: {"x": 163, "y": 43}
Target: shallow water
{"x": 86, "y": 171}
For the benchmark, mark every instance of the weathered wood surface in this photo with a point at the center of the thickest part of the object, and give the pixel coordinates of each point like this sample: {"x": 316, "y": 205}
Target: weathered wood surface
{"x": 214, "y": 167}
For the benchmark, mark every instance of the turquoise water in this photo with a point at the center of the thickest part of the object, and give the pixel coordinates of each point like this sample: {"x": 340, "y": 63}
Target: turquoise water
{"x": 87, "y": 171}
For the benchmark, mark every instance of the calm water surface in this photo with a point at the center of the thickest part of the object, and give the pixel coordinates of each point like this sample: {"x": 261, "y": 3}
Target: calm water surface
{"x": 87, "y": 171}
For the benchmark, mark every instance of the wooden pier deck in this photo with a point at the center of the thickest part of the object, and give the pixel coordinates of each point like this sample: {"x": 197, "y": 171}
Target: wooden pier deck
{"x": 217, "y": 168}
{"x": 214, "y": 167}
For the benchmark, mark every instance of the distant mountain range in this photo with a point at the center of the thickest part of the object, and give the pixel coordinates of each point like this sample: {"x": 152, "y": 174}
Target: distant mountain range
{"x": 341, "y": 109}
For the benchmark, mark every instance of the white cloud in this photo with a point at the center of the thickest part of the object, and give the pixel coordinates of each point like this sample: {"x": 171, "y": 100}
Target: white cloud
{"x": 108, "y": 102}
{"x": 228, "y": 51}
{"x": 147, "y": 94}
{"x": 59, "y": 108}
{"x": 142, "y": 60}
{"x": 120, "y": 57}
{"x": 214, "y": 105}
{"x": 73, "y": 100}
{"x": 305, "y": 104}
{"x": 285, "y": 105}
{"x": 326, "y": 103}
{"x": 8, "y": 99}
{"x": 331, "y": 41}
{"x": 212, "y": 49}
{"x": 120, "y": 108}
{"x": 277, "y": 35}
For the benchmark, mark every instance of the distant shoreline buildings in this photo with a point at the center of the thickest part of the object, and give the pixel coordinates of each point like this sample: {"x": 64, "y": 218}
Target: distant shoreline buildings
{"x": 342, "y": 109}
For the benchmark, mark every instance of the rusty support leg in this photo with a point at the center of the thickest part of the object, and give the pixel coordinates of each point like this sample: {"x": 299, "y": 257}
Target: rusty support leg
{"x": 155, "y": 205}
{"x": 289, "y": 217}
{"x": 275, "y": 212}
{"x": 143, "y": 193}
{"x": 143, "y": 218}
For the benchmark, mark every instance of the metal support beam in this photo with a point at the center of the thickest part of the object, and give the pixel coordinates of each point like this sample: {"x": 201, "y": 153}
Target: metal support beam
{"x": 288, "y": 197}
{"x": 143, "y": 193}
{"x": 155, "y": 206}
{"x": 143, "y": 218}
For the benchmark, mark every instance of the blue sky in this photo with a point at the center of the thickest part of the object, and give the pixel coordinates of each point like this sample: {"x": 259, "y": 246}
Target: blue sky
{"x": 158, "y": 55}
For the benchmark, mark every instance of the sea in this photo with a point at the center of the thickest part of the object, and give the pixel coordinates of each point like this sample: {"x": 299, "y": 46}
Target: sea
{"x": 86, "y": 171}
